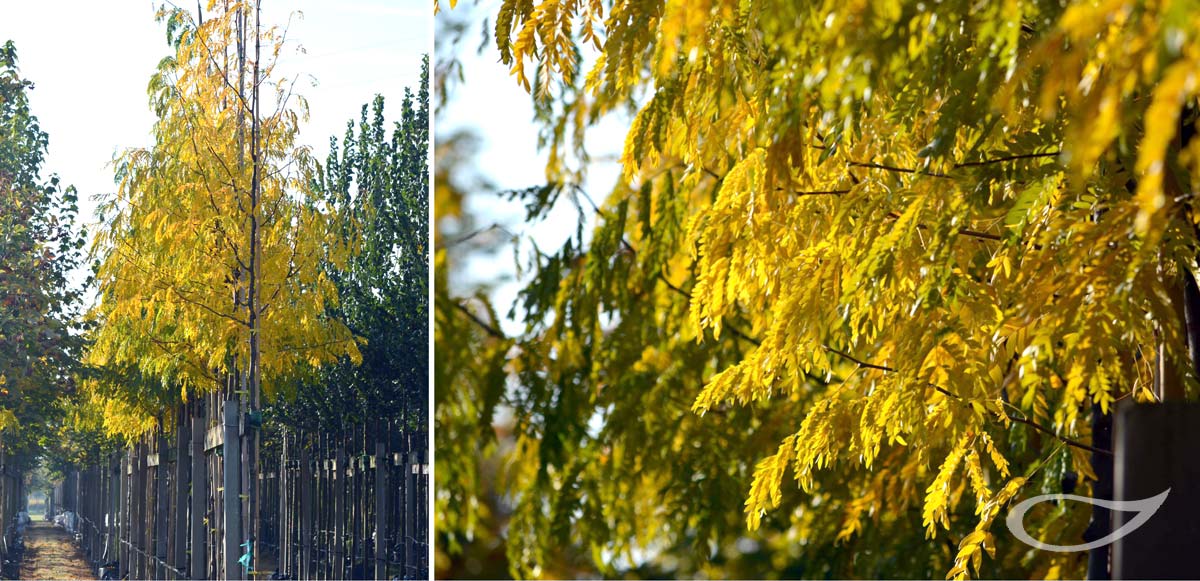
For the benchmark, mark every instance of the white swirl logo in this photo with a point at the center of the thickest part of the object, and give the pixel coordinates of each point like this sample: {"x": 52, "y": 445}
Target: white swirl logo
{"x": 1145, "y": 508}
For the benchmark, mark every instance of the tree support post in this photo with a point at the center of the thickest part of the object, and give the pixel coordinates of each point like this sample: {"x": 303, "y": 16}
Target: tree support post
{"x": 412, "y": 471}
{"x": 199, "y": 554}
{"x": 339, "y": 514}
{"x": 125, "y": 521}
{"x": 161, "y": 515}
{"x": 116, "y": 474}
{"x": 382, "y": 495}
{"x": 1156, "y": 449}
{"x": 232, "y": 500}
{"x": 1101, "y": 523}
{"x": 182, "y": 472}
{"x": 306, "y": 512}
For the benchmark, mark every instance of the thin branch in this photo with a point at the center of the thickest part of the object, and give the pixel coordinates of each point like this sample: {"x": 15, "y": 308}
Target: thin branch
{"x": 978, "y": 234}
{"x": 1011, "y": 417}
{"x": 1035, "y": 426}
{"x": 803, "y": 193}
{"x": 1004, "y": 159}
{"x": 964, "y": 232}
{"x": 206, "y": 307}
{"x": 186, "y": 361}
{"x": 293, "y": 348}
{"x": 491, "y": 330}
{"x": 1008, "y": 158}
{"x": 885, "y": 167}
{"x": 733, "y": 330}
{"x": 476, "y": 233}
{"x": 860, "y": 362}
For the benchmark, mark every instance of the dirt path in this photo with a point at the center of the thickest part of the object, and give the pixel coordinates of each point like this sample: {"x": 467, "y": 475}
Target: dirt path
{"x": 51, "y": 554}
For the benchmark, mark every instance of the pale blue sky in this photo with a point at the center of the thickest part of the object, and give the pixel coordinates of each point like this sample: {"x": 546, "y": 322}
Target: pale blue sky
{"x": 491, "y": 103}
{"x": 91, "y": 62}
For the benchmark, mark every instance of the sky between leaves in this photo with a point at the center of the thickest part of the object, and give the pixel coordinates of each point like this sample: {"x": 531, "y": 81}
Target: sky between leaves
{"x": 509, "y": 156}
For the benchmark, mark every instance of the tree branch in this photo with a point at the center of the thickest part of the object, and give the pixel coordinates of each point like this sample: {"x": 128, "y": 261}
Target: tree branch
{"x": 1008, "y": 158}
{"x": 1035, "y": 426}
{"x": 491, "y": 330}
{"x": 803, "y": 193}
{"x": 964, "y": 232}
{"x": 893, "y": 168}
{"x": 860, "y": 362}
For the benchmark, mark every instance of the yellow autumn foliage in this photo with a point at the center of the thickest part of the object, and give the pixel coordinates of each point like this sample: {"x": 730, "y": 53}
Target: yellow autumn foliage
{"x": 920, "y": 240}
{"x": 173, "y": 250}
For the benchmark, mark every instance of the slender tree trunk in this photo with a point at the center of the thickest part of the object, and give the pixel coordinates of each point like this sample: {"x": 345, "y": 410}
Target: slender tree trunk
{"x": 1170, "y": 385}
{"x": 252, "y": 439}
{"x": 1191, "y": 296}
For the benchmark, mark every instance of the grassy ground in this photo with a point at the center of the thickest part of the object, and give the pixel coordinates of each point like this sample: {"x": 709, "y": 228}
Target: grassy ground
{"x": 51, "y": 554}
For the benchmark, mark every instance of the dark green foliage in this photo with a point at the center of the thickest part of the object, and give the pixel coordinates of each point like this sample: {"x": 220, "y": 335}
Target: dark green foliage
{"x": 39, "y": 249}
{"x": 379, "y": 183}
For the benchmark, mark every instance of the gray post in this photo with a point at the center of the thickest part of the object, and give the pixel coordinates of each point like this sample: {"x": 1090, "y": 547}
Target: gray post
{"x": 411, "y": 469}
{"x": 116, "y": 473}
{"x": 339, "y": 514}
{"x": 182, "y": 469}
{"x": 306, "y": 512}
{"x": 199, "y": 554}
{"x": 381, "y": 505}
{"x": 145, "y": 531}
{"x": 123, "y": 535}
{"x": 1102, "y": 464}
{"x": 284, "y": 540}
{"x": 137, "y": 511}
{"x": 1156, "y": 449}
{"x": 161, "y": 516}
{"x": 232, "y": 502}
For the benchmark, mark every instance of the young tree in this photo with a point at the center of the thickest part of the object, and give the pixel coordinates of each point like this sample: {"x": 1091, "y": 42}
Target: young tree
{"x": 224, "y": 192}
{"x": 39, "y": 249}
{"x": 209, "y": 259}
{"x": 896, "y": 250}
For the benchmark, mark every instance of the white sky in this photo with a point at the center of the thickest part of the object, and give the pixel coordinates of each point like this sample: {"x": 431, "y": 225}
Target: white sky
{"x": 490, "y": 102}
{"x": 91, "y": 62}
